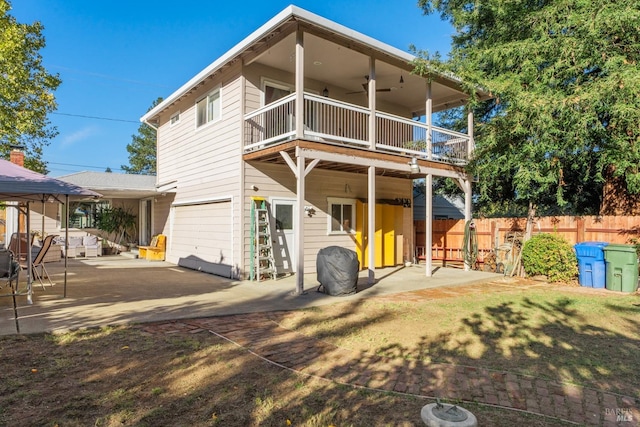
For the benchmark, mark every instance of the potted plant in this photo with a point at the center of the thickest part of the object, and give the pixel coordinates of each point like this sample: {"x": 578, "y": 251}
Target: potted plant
{"x": 119, "y": 223}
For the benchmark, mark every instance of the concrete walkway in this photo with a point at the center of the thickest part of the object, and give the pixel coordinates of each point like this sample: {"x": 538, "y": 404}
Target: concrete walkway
{"x": 119, "y": 290}
{"x": 262, "y": 335}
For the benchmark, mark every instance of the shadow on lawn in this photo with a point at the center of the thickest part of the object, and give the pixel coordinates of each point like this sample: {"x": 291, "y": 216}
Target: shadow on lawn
{"x": 118, "y": 376}
{"x": 130, "y": 377}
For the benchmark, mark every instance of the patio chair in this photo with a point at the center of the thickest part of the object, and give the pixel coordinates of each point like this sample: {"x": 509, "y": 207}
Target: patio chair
{"x": 9, "y": 269}
{"x": 20, "y": 245}
{"x": 75, "y": 246}
{"x": 92, "y": 246}
{"x": 38, "y": 261}
{"x": 156, "y": 250}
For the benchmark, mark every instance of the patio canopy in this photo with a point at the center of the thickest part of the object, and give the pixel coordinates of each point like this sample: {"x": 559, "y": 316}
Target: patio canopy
{"x": 18, "y": 184}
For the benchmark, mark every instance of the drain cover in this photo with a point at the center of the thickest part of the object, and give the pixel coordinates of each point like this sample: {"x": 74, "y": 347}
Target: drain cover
{"x": 445, "y": 415}
{"x": 449, "y": 413}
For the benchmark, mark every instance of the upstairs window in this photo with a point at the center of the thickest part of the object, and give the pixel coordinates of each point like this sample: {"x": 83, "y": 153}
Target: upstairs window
{"x": 209, "y": 108}
{"x": 174, "y": 119}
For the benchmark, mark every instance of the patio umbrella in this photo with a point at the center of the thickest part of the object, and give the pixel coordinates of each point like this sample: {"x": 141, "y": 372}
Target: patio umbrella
{"x": 18, "y": 184}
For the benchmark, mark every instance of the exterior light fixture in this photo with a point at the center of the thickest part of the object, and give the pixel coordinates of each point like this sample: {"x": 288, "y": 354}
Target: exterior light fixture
{"x": 325, "y": 92}
{"x": 415, "y": 167}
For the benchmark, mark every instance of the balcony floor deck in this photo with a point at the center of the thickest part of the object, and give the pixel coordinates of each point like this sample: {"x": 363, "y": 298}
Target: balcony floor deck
{"x": 271, "y": 154}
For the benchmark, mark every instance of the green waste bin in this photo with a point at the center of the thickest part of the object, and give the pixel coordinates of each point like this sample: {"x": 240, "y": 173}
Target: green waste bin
{"x": 621, "y": 268}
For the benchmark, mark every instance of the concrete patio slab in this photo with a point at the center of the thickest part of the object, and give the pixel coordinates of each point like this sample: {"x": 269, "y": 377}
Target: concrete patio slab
{"x": 119, "y": 290}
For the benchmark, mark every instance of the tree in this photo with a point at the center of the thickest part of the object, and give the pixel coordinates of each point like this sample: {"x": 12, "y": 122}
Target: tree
{"x": 26, "y": 90}
{"x": 566, "y": 85}
{"x": 142, "y": 149}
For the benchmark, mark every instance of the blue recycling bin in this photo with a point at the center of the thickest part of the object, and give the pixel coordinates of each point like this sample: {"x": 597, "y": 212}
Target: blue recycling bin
{"x": 591, "y": 264}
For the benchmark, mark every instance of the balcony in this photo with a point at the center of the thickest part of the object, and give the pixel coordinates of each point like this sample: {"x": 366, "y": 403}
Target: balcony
{"x": 335, "y": 122}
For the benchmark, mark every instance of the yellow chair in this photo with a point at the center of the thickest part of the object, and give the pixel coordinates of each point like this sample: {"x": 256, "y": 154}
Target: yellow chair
{"x": 156, "y": 249}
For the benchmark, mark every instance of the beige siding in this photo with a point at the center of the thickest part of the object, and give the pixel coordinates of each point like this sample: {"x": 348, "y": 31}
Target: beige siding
{"x": 161, "y": 212}
{"x": 203, "y": 162}
{"x": 51, "y": 224}
{"x": 278, "y": 181}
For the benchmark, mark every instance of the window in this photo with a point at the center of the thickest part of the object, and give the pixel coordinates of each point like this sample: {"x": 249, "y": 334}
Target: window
{"x": 209, "y": 108}
{"x": 82, "y": 214}
{"x": 284, "y": 217}
{"x": 174, "y": 119}
{"x": 341, "y": 215}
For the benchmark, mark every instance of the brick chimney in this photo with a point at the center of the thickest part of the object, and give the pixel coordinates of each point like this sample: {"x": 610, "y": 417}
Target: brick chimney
{"x": 17, "y": 155}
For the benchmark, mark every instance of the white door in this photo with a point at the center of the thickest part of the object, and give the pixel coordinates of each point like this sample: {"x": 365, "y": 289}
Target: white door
{"x": 283, "y": 214}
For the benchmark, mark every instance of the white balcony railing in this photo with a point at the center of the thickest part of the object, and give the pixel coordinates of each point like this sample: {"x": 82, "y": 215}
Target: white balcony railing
{"x": 328, "y": 120}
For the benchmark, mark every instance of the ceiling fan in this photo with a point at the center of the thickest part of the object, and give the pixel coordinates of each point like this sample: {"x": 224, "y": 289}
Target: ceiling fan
{"x": 365, "y": 87}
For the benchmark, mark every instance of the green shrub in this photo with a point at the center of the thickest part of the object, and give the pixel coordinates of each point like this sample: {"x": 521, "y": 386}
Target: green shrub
{"x": 550, "y": 255}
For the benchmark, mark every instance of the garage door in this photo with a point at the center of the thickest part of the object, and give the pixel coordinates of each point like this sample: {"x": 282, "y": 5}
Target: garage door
{"x": 202, "y": 237}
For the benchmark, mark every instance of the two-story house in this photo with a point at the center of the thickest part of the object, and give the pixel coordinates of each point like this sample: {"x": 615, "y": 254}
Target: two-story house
{"x": 304, "y": 135}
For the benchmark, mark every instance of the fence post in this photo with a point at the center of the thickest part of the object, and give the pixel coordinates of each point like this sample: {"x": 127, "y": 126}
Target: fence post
{"x": 580, "y": 229}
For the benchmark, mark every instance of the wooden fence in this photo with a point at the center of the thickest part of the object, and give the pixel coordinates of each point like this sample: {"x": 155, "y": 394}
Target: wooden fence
{"x": 448, "y": 234}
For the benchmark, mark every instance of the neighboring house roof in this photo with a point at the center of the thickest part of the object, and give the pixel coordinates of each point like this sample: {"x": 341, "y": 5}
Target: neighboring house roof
{"x": 117, "y": 185}
{"x": 451, "y": 207}
{"x": 271, "y": 29}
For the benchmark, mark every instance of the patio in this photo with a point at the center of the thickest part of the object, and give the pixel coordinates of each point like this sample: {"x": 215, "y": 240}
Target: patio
{"x": 120, "y": 290}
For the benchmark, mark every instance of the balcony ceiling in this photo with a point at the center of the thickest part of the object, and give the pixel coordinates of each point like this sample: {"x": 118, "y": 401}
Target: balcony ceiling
{"x": 344, "y": 68}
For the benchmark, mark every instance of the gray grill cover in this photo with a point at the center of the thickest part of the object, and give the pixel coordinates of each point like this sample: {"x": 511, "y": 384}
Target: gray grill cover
{"x": 337, "y": 269}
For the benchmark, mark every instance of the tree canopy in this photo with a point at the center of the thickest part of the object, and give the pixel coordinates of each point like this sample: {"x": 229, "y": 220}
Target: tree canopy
{"x": 566, "y": 84}
{"x": 142, "y": 149}
{"x": 26, "y": 90}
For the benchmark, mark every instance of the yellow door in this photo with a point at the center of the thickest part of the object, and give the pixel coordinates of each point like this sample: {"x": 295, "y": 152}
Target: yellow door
{"x": 361, "y": 232}
{"x": 388, "y": 228}
{"x": 389, "y": 236}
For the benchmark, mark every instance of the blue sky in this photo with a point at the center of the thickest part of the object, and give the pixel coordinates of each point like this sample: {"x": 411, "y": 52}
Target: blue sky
{"x": 115, "y": 57}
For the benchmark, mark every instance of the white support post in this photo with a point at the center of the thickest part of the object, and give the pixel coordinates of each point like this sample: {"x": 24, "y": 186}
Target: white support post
{"x": 429, "y": 119}
{"x": 299, "y": 224}
{"x": 468, "y": 194}
{"x": 299, "y": 82}
{"x": 372, "y": 103}
{"x": 371, "y": 218}
{"x": 428, "y": 224}
{"x": 467, "y": 210}
{"x": 428, "y": 194}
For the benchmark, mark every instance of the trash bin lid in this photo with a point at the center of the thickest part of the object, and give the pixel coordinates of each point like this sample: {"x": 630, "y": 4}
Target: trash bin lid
{"x": 590, "y": 249}
{"x": 599, "y": 244}
{"x": 619, "y": 248}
